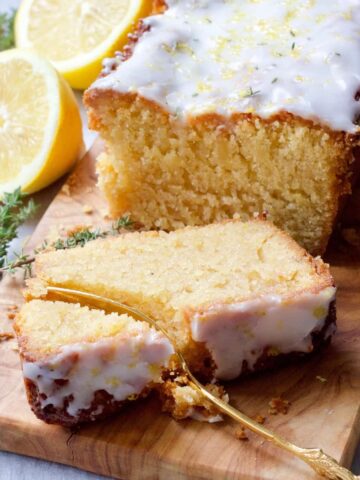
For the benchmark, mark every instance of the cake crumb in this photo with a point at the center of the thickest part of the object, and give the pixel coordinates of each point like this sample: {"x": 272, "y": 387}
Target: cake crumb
{"x": 4, "y": 336}
{"x": 240, "y": 434}
{"x": 87, "y": 209}
{"x": 260, "y": 419}
{"x": 76, "y": 229}
{"x": 182, "y": 401}
{"x": 11, "y": 315}
{"x": 105, "y": 213}
{"x": 321, "y": 379}
{"x": 12, "y": 307}
{"x": 278, "y": 405}
{"x": 73, "y": 180}
{"x": 65, "y": 189}
{"x": 264, "y": 215}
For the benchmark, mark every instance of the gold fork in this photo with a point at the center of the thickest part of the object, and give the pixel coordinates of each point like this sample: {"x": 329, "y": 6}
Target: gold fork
{"x": 320, "y": 462}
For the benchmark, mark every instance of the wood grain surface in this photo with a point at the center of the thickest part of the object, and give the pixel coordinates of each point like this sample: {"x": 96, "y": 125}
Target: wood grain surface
{"x": 143, "y": 443}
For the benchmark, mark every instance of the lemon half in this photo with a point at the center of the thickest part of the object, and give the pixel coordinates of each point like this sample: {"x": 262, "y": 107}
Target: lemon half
{"x": 76, "y": 35}
{"x": 40, "y": 125}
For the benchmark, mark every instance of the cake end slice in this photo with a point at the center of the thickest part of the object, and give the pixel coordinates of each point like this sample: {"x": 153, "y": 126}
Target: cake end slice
{"x": 80, "y": 365}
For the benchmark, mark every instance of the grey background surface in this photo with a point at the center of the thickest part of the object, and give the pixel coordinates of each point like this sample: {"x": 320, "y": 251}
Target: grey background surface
{"x": 16, "y": 467}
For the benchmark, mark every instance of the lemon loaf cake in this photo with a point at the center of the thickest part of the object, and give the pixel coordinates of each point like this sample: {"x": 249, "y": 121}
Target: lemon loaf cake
{"x": 80, "y": 364}
{"x": 220, "y": 108}
{"x": 234, "y": 296}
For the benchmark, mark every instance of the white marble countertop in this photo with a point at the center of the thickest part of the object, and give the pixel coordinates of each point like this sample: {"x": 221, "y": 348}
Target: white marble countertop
{"x": 16, "y": 467}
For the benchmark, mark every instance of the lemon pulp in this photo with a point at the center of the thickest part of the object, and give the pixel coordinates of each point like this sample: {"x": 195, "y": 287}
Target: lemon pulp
{"x": 40, "y": 125}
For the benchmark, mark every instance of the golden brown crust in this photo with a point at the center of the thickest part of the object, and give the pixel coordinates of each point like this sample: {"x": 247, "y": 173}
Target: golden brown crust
{"x": 102, "y": 406}
{"x": 94, "y": 97}
{"x": 22, "y": 340}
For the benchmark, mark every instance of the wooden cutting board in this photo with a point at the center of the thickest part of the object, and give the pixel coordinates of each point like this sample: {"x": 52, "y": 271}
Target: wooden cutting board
{"x": 143, "y": 443}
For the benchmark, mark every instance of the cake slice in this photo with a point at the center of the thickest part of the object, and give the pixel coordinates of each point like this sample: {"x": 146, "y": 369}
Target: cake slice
{"x": 235, "y": 297}
{"x": 219, "y": 108}
{"x": 80, "y": 365}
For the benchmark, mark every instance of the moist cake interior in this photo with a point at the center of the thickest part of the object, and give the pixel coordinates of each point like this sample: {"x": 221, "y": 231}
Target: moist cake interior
{"x": 47, "y": 327}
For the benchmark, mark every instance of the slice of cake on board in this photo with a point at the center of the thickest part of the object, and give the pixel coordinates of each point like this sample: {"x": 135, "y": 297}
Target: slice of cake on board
{"x": 234, "y": 296}
{"x": 221, "y": 108}
{"x": 80, "y": 364}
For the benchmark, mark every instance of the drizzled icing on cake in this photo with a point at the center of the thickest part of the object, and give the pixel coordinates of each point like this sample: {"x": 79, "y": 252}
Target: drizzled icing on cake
{"x": 251, "y": 56}
{"x": 238, "y": 333}
{"x": 121, "y": 366}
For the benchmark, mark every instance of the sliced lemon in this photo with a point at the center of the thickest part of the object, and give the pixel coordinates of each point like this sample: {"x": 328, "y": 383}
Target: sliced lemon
{"x": 40, "y": 125}
{"x": 76, "y": 35}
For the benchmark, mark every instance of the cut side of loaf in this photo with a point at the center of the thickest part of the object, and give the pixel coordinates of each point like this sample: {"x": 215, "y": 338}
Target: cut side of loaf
{"x": 235, "y": 297}
{"x": 80, "y": 365}
{"x": 177, "y": 174}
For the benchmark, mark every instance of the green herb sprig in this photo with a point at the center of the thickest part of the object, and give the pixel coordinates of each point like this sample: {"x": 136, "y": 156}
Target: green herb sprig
{"x": 81, "y": 237}
{"x": 14, "y": 211}
{"x": 7, "y": 37}
{"x": 21, "y": 260}
{"x": 77, "y": 238}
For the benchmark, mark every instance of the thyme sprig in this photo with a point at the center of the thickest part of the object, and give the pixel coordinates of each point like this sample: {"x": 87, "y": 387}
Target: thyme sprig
{"x": 21, "y": 260}
{"x": 123, "y": 222}
{"x": 7, "y": 37}
{"x": 80, "y": 237}
{"x": 14, "y": 211}
{"x": 76, "y": 238}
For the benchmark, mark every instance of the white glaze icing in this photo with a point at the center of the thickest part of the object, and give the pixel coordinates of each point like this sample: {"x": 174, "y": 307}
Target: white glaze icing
{"x": 240, "y": 332}
{"x": 122, "y": 366}
{"x": 255, "y": 56}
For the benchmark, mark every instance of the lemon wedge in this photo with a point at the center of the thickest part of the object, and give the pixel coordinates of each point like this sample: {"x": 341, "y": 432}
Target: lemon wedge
{"x": 76, "y": 35}
{"x": 40, "y": 124}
